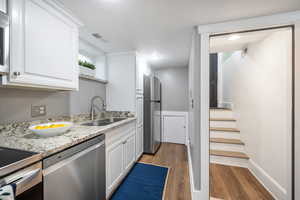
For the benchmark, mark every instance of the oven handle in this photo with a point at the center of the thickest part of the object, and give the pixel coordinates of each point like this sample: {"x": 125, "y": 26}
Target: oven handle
{"x": 21, "y": 180}
{"x": 27, "y": 178}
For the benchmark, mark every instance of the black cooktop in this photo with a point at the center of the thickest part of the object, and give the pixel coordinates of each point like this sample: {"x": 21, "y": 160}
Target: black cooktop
{"x": 9, "y": 156}
{"x": 12, "y": 160}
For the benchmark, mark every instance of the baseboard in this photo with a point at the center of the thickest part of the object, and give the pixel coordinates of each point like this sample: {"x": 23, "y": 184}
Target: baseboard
{"x": 276, "y": 190}
{"x": 196, "y": 195}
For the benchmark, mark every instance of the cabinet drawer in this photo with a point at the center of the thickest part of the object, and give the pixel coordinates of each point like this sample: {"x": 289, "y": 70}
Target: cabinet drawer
{"x": 120, "y": 132}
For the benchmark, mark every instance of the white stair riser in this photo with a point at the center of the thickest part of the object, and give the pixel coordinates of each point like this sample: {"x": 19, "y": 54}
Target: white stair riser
{"x": 227, "y": 135}
{"x": 223, "y": 124}
{"x": 229, "y": 161}
{"x": 221, "y": 114}
{"x": 227, "y": 147}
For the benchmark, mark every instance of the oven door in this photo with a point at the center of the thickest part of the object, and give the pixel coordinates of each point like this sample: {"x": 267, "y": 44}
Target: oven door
{"x": 29, "y": 185}
{"x": 4, "y": 43}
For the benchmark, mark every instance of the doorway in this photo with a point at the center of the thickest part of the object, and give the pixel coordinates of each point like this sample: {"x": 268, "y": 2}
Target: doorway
{"x": 213, "y": 80}
{"x": 251, "y": 114}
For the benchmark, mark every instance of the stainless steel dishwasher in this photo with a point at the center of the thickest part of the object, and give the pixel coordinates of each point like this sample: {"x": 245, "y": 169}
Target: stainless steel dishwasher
{"x": 77, "y": 173}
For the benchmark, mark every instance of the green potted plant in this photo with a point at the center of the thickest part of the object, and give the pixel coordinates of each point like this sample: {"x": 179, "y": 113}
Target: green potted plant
{"x": 86, "y": 68}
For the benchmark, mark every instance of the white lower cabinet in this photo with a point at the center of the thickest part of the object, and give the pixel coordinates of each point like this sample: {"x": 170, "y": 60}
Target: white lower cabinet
{"x": 114, "y": 165}
{"x": 129, "y": 152}
{"x": 139, "y": 141}
{"x": 139, "y": 109}
{"x": 120, "y": 155}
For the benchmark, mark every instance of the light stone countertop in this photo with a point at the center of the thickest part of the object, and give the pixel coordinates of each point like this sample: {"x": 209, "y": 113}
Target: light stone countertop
{"x": 22, "y": 138}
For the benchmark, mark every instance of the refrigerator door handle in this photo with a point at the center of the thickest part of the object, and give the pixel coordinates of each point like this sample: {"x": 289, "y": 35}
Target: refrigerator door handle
{"x": 155, "y": 101}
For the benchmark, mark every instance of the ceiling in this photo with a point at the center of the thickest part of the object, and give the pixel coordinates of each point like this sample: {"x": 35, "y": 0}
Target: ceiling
{"x": 224, "y": 44}
{"x": 161, "y": 30}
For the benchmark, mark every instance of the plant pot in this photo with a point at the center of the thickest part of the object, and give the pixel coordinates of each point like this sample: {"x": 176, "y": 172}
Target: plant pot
{"x": 86, "y": 71}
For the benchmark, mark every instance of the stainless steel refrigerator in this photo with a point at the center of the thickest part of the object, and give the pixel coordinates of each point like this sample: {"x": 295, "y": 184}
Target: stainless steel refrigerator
{"x": 152, "y": 114}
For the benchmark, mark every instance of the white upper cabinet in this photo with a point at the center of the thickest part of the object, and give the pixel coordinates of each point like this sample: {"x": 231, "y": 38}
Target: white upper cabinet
{"x": 3, "y": 6}
{"x": 44, "y": 46}
{"x": 120, "y": 91}
{"x": 139, "y": 77}
{"x": 125, "y": 80}
{"x": 142, "y": 68}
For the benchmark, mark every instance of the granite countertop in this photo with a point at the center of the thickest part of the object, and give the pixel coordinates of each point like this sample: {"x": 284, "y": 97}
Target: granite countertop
{"x": 19, "y": 137}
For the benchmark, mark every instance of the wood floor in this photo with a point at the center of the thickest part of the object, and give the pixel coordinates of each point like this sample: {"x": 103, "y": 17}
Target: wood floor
{"x": 226, "y": 182}
{"x": 235, "y": 183}
{"x": 175, "y": 157}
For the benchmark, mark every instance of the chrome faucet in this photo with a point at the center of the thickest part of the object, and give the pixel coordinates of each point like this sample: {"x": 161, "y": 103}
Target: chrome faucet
{"x": 93, "y": 106}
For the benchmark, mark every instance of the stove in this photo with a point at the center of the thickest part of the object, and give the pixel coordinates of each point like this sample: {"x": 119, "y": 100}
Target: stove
{"x": 12, "y": 160}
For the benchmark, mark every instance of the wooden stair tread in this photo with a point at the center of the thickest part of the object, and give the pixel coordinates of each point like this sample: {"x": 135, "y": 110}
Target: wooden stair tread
{"x": 224, "y": 129}
{"x": 226, "y": 141}
{"x": 222, "y": 119}
{"x": 233, "y": 154}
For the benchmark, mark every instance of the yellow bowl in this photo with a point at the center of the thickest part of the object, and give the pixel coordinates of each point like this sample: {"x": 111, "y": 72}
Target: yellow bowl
{"x": 51, "y": 129}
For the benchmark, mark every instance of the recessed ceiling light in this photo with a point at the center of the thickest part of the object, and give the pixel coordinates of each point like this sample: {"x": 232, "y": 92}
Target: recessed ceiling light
{"x": 234, "y": 37}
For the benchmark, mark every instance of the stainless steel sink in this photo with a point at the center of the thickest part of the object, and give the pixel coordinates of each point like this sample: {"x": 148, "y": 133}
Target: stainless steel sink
{"x": 103, "y": 122}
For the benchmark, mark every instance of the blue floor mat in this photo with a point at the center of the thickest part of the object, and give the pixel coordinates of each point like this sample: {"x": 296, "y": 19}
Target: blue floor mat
{"x": 144, "y": 182}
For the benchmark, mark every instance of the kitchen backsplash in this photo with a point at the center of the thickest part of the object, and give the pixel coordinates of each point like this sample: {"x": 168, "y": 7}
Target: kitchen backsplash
{"x": 15, "y": 104}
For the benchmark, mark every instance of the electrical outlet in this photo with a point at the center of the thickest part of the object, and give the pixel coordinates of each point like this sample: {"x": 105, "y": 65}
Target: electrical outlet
{"x": 37, "y": 111}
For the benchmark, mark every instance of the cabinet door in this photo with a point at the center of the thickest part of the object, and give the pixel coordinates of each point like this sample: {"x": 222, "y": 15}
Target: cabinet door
{"x": 140, "y": 109}
{"x": 3, "y": 6}
{"x": 139, "y": 84}
{"x": 174, "y": 129}
{"x": 44, "y": 46}
{"x": 129, "y": 152}
{"x": 139, "y": 141}
{"x": 114, "y": 165}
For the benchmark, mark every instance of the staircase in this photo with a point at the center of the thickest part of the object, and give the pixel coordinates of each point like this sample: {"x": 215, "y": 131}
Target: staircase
{"x": 226, "y": 146}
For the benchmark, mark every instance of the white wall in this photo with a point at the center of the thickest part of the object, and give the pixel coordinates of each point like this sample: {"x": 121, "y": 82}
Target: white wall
{"x": 174, "y": 82}
{"x": 225, "y": 78}
{"x": 80, "y": 101}
{"x": 94, "y": 55}
{"x": 101, "y": 67}
{"x": 261, "y": 92}
{"x": 15, "y": 103}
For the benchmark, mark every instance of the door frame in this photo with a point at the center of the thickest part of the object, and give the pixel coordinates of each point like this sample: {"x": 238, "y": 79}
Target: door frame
{"x": 256, "y": 23}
